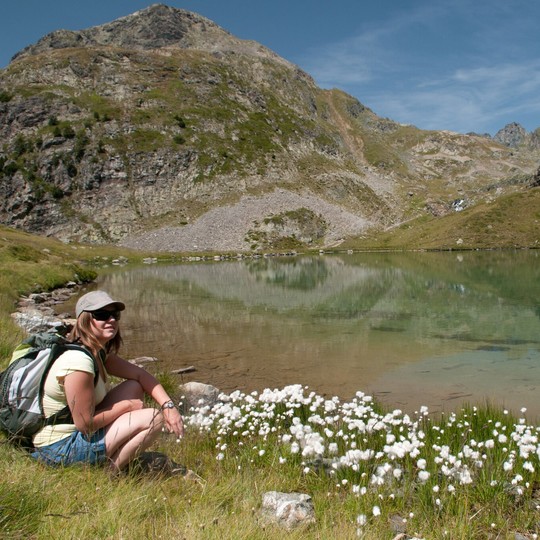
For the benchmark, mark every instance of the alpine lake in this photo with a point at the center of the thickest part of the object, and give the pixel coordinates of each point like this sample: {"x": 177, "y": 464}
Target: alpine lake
{"x": 438, "y": 329}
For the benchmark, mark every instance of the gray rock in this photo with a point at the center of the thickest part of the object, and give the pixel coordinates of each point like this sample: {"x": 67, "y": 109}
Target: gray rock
{"x": 397, "y": 524}
{"x": 36, "y": 312}
{"x": 33, "y": 320}
{"x": 196, "y": 394}
{"x": 140, "y": 360}
{"x": 288, "y": 510}
{"x": 511, "y": 135}
{"x": 38, "y": 298}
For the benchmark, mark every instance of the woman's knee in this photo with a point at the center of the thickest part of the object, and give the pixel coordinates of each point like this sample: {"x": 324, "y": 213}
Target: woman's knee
{"x": 128, "y": 391}
{"x": 131, "y": 389}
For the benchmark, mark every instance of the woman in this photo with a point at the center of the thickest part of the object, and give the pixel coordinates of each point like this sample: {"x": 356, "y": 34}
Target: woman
{"x": 107, "y": 425}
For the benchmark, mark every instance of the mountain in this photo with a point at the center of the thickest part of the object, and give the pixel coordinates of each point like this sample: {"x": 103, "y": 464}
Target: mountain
{"x": 515, "y": 135}
{"x": 161, "y": 130}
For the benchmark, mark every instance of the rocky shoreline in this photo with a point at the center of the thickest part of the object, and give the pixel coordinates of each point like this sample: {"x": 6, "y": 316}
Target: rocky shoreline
{"x": 36, "y": 312}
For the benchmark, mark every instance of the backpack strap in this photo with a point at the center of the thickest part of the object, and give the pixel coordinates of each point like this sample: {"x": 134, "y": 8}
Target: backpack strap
{"x": 63, "y": 416}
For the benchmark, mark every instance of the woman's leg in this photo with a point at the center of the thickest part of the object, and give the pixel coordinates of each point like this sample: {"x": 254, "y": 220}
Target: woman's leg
{"x": 126, "y": 391}
{"x": 130, "y": 434}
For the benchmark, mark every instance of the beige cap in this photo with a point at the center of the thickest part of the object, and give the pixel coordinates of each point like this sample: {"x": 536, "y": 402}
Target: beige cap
{"x": 96, "y": 300}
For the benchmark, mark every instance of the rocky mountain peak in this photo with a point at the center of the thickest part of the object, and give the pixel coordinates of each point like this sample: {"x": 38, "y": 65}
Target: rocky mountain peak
{"x": 511, "y": 135}
{"x": 155, "y": 27}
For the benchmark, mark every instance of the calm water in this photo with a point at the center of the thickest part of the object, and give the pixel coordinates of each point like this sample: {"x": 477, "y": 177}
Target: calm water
{"x": 432, "y": 329}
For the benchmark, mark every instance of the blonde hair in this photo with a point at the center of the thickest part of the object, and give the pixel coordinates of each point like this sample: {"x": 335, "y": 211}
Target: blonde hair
{"x": 82, "y": 332}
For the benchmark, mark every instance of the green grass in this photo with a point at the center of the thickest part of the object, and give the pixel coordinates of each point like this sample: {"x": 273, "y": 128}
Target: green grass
{"x": 512, "y": 221}
{"x": 85, "y": 502}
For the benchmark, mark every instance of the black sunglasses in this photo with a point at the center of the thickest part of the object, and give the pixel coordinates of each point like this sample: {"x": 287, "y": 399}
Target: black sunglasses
{"x": 105, "y": 315}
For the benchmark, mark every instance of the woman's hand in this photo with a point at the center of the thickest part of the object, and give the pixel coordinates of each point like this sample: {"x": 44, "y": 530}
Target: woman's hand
{"x": 173, "y": 421}
{"x": 121, "y": 368}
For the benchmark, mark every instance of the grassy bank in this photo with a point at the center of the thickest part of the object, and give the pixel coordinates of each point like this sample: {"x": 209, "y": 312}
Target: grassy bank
{"x": 30, "y": 263}
{"x": 371, "y": 474}
{"x": 511, "y": 221}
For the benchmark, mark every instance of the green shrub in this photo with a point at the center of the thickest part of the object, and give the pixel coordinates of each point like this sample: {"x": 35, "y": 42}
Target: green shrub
{"x": 10, "y": 168}
{"x": 22, "y": 145}
{"x": 5, "y": 96}
{"x": 68, "y": 132}
{"x": 179, "y": 121}
{"x": 81, "y": 142}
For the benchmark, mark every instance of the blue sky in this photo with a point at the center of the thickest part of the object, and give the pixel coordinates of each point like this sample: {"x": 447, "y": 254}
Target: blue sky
{"x": 460, "y": 65}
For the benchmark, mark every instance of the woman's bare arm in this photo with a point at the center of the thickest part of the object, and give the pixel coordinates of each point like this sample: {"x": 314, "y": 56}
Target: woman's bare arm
{"x": 119, "y": 367}
{"x": 79, "y": 389}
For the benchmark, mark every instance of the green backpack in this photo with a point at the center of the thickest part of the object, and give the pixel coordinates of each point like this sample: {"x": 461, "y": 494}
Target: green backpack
{"x": 21, "y": 387}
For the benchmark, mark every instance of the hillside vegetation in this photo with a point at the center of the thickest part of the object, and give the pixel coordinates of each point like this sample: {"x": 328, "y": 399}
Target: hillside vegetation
{"x": 511, "y": 221}
{"x": 152, "y": 121}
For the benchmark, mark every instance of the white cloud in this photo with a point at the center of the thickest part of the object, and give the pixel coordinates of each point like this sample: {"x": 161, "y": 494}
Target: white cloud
{"x": 482, "y": 73}
{"x": 480, "y": 99}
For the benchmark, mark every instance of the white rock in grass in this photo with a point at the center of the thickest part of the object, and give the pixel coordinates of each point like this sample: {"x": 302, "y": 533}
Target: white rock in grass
{"x": 289, "y": 510}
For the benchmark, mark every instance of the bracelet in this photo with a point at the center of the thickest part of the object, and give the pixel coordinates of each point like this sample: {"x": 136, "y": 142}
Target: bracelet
{"x": 168, "y": 405}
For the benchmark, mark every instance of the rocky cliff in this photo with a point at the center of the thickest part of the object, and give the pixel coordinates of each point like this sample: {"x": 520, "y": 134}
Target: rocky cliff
{"x": 162, "y": 130}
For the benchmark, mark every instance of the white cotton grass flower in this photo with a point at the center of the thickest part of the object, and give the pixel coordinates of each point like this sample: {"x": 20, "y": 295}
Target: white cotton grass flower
{"x": 355, "y": 442}
{"x": 423, "y": 476}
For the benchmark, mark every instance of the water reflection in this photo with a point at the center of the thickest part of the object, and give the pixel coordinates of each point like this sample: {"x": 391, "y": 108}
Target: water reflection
{"x": 413, "y": 329}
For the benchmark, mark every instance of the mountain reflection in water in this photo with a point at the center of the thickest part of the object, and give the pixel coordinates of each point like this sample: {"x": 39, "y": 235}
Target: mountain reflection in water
{"x": 412, "y": 329}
